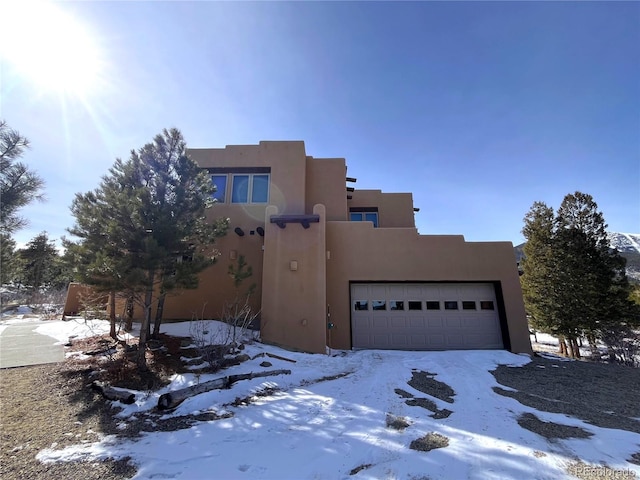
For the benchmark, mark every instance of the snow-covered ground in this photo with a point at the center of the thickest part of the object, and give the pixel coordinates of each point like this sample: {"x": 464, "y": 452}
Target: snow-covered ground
{"x": 325, "y": 430}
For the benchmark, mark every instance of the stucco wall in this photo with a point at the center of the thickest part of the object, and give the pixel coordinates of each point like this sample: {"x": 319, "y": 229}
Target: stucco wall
{"x": 326, "y": 185}
{"x": 294, "y": 296}
{"x": 78, "y": 295}
{"x": 359, "y": 252}
{"x": 287, "y": 161}
{"x": 395, "y": 210}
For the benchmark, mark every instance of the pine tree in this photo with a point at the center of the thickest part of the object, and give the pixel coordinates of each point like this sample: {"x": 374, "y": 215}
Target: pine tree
{"x": 574, "y": 284}
{"x": 537, "y": 265}
{"x": 7, "y": 259}
{"x": 144, "y": 228}
{"x": 39, "y": 259}
{"x": 19, "y": 185}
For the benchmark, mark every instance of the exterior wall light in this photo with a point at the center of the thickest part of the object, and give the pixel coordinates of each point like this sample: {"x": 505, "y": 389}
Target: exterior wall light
{"x": 239, "y": 231}
{"x": 260, "y": 231}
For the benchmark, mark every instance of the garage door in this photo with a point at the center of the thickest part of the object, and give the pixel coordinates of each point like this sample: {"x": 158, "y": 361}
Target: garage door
{"x": 430, "y": 316}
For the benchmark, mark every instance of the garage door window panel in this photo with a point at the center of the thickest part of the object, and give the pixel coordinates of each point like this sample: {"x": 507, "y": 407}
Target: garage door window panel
{"x": 361, "y": 305}
{"x": 451, "y": 305}
{"x": 433, "y": 305}
{"x": 468, "y": 305}
{"x": 415, "y": 305}
{"x": 379, "y": 305}
{"x": 396, "y": 305}
{"x": 487, "y": 305}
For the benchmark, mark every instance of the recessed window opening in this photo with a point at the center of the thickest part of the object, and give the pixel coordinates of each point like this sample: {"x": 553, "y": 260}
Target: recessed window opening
{"x": 364, "y": 215}
{"x": 451, "y": 305}
{"x": 220, "y": 182}
{"x": 379, "y": 305}
{"x": 468, "y": 305}
{"x": 361, "y": 305}
{"x": 244, "y": 187}
{"x": 433, "y": 305}
{"x": 396, "y": 305}
{"x": 486, "y": 305}
{"x": 415, "y": 305}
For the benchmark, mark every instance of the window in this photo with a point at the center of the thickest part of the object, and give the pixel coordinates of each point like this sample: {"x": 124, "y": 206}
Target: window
{"x": 250, "y": 188}
{"x": 396, "y": 305}
{"x": 433, "y": 305}
{"x": 260, "y": 189}
{"x": 468, "y": 305}
{"x": 486, "y": 305}
{"x": 361, "y": 305}
{"x": 451, "y": 305}
{"x": 220, "y": 182}
{"x": 415, "y": 305}
{"x": 379, "y": 305}
{"x": 364, "y": 215}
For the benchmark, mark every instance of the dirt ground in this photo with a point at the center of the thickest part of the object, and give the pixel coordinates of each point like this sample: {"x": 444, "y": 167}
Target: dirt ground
{"x": 601, "y": 394}
{"x": 46, "y": 405}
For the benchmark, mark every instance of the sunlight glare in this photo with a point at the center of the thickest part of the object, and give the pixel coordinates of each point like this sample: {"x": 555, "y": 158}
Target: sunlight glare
{"x": 51, "y": 49}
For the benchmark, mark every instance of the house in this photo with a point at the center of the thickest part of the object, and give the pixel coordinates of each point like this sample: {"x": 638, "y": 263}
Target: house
{"x": 346, "y": 268}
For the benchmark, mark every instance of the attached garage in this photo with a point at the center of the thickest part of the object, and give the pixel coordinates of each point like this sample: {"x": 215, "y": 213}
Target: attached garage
{"x": 425, "y": 316}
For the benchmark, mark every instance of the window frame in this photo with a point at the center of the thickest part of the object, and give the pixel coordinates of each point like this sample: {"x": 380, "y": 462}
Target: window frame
{"x": 250, "y": 184}
{"x": 363, "y": 212}
{"x": 226, "y": 181}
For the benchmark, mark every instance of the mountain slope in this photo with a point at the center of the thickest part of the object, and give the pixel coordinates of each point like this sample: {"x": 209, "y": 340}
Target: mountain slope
{"x": 628, "y": 244}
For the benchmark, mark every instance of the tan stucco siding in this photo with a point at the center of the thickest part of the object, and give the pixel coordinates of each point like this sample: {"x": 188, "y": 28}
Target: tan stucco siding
{"x": 326, "y": 185}
{"x": 395, "y": 210}
{"x": 294, "y": 294}
{"x": 287, "y": 161}
{"x": 359, "y": 252}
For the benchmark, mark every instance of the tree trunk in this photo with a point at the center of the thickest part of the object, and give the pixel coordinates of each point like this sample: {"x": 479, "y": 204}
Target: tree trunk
{"x": 563, "y": 346}
{"x": 576, "y": 349}
{"x": 112, "y": 394}
{"x": 159, "y": 311}
{"x": 173, "y": 399}
{"x": 112, "y": 315}
{"x": 128, "y": 326}
{"x": 146, "y": 324}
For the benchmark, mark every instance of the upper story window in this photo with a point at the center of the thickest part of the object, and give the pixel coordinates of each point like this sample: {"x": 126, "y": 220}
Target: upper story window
{"x": 220, "y": 182}
{"x": 358, "y": 214}
{"x": 250, "y": 188}
{"x": 241, "y": 185}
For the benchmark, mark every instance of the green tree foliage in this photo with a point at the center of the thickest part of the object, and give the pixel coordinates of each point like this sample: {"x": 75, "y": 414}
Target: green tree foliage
{"x": 19, "y": 185}
{"x": 8, "y": 259}
{"x": 574, "y": 284}
{"x": 39, "y": 258}
{"x": 143, "y": 231}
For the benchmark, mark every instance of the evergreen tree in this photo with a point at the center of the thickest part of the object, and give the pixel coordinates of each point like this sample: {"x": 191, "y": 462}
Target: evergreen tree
{"x": 19, "y": 185}
{"x": 574, "y": 284}
{"x": 39, "y": 259}
{"x": 8, "y": 259}
{"x": 144, "y": 229}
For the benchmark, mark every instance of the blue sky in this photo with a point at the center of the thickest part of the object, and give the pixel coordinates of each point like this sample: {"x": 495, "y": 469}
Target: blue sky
{"x": 479, "y": 109}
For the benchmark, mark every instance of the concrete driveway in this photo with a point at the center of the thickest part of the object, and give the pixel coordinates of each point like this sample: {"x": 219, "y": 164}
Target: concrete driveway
{"x": 20, "y": 345}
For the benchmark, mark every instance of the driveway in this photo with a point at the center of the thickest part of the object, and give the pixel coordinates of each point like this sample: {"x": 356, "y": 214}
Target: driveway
{"x": 21, "y": 345}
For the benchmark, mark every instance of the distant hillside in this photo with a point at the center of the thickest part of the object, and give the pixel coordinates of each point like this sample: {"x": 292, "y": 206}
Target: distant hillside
{"x": 628, "y": 244}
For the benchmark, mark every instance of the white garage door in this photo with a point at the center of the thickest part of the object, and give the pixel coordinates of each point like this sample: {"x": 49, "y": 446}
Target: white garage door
{"x": 429, "y": 316}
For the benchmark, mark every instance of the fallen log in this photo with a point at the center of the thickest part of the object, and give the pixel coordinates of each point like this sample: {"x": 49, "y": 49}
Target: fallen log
{"x": 172, "y": 399}
{"x": 273, "y": 355}
{"x": 111, "y": 393}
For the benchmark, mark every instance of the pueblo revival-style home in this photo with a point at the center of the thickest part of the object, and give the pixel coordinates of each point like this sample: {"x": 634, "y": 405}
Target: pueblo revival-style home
{"x": 346, "y": 268}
